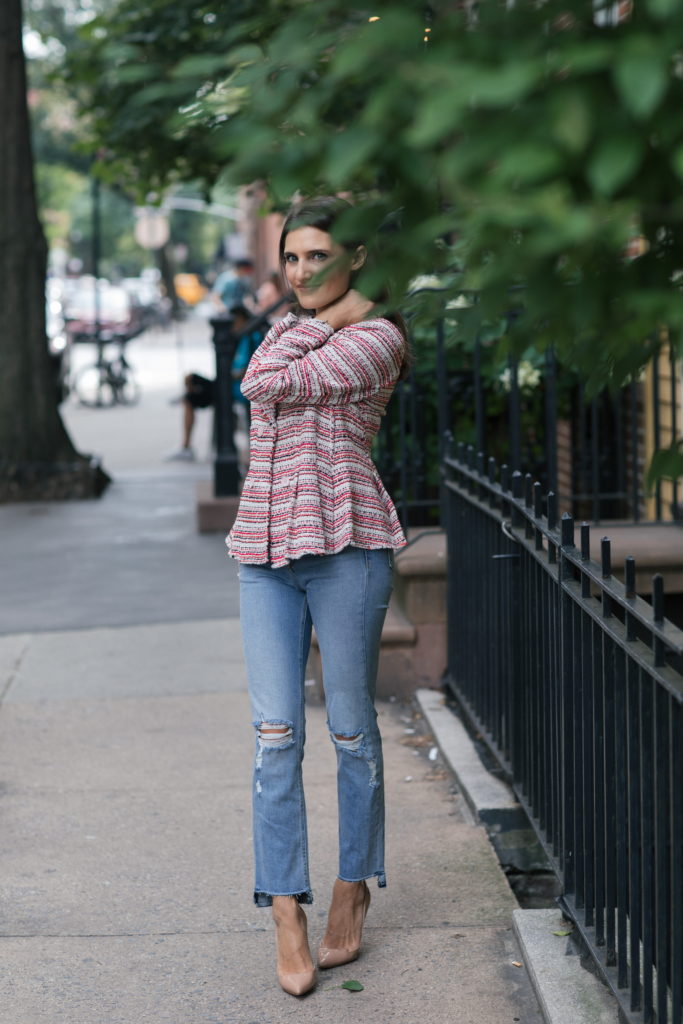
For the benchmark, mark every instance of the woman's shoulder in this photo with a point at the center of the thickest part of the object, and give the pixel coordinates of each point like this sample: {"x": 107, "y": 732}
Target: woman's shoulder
{"x": 379, "y": 327}
{"x": 375, "y": 323}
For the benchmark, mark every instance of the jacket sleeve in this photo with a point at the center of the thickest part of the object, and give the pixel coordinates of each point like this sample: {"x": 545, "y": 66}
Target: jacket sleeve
{"x": 309, "y": 363}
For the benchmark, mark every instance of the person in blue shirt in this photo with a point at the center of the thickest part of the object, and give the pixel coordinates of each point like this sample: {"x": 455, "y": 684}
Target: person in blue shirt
{"x": 235, "y": 287}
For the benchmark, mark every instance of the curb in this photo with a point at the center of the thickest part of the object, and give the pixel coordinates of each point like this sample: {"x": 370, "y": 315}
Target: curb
{"x": 567, "y": 993}
{"x": 491, "y": 801}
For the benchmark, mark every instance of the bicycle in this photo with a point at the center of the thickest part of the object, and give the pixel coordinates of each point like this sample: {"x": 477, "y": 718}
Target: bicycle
{"x": 106, "y": 382}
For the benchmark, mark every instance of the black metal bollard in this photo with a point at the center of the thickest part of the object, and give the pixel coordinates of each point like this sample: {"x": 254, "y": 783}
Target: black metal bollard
{"x": 226, "y": 474}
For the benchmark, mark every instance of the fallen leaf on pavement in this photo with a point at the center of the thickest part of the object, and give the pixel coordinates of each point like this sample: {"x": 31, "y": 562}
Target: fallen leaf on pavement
{"x": 425, "y": 740}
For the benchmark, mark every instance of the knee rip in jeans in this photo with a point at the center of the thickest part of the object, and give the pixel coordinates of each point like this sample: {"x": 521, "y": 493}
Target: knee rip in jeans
{"x": 354, "y": 745}
{"x": 272, "y": 738}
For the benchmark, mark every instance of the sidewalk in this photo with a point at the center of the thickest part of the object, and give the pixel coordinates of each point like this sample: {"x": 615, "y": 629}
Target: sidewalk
{"x": 125, "y": 750}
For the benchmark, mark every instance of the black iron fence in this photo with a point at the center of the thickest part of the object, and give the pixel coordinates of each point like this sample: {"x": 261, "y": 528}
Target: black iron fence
{"x": 535, "y": 416}
{"x": 576, "y": 685}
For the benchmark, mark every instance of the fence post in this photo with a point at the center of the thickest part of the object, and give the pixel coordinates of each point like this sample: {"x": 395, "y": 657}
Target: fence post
{"x": 226, "y": 467}
{"x": 551, "y": 417}
{"x": 515, "y": 415}
{"x": 571, "y": 705}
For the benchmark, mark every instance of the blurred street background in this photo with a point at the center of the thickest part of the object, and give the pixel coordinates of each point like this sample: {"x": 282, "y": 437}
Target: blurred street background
{"x": 141, "y": 436}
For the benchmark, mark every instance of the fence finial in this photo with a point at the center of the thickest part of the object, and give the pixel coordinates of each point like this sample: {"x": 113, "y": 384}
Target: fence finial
{"x": 630, "y": 575}
{"x": 606, "y": 557}
{"x": 658, "y": 598}
{"x": 517, "y": 485}
{"x": 585, "y": 557}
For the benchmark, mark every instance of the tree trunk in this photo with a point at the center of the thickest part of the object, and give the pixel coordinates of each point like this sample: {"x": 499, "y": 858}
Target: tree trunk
{"x": 37, "y": 458}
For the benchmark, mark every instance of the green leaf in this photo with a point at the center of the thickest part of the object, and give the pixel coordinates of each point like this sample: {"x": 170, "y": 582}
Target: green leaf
{"x": 662, "y": 8}
{"x": 585, "y": 58}
{"x": 613, "y": 162}
{"x": 667, "y": 464}
{"x": 352, "y": 986}
{"x": 641, "y": 76}
{"x": 346, "y": 152}
{"x": 528, "y": 161}
{"x": 571, "y": 120}
{"x": 200, "y": 65}
{"x": 438, "y": 116}
{"x": 491, "y": 87}
{"x": 677, "y": 161}
{"x": 142, "y": 72}
{"x": 396, "y": 31}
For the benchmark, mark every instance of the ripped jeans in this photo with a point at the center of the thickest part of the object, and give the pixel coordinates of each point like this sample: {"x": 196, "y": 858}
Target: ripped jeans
{"x": 345, "y": 596}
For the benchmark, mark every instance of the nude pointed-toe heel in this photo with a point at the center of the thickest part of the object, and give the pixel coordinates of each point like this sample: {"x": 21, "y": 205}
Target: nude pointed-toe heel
{"x": 292, "y": 945}
{"x": 296, "y": 984}
{"x": 335, "y": 956}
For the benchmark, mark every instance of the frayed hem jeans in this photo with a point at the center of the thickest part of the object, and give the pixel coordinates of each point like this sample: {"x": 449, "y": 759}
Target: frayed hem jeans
{"x": 345, "y": 596}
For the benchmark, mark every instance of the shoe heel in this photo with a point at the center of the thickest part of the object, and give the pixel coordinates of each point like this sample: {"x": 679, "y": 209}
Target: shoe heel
{"x": 329, "y": 956}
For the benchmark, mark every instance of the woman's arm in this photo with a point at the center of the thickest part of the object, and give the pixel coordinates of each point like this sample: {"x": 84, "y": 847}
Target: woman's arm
{"x": 311, "y": 363}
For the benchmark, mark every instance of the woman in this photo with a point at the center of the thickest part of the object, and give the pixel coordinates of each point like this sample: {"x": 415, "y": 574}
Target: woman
{"x": 315, "y": 534}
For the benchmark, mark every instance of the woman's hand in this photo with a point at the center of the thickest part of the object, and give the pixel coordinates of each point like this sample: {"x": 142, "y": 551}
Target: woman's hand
{"x": 349, "y": 309}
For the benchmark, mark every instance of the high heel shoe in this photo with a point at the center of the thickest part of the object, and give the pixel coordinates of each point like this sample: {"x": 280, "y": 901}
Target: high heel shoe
{"x": 339, "y": 952}
{"x": 291, "y": 930}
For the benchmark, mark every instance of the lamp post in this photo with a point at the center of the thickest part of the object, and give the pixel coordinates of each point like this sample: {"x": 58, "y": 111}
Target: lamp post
{"x": 95, "y": 255}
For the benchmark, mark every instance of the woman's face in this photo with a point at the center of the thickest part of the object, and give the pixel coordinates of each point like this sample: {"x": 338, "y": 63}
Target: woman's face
{"x": 318, "y": 269}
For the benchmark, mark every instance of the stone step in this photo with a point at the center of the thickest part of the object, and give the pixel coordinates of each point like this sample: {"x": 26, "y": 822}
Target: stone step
{"x": 421, "y": 578}
{"x": 398, "y": 629}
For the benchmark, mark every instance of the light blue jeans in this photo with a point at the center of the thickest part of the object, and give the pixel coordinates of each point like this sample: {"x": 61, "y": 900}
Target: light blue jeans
{"x": 345, "y": 596}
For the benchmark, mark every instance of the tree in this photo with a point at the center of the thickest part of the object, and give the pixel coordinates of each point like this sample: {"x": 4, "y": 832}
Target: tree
{"x": 524, "y": 145}
{"x": 37, "y": 458}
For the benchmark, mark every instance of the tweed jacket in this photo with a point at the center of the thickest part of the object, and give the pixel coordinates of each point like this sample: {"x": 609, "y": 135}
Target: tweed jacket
{"x": 317, "y": 397}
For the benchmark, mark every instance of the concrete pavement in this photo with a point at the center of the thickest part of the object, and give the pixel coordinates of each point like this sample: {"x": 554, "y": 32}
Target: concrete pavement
{"x": 125, "y": 748}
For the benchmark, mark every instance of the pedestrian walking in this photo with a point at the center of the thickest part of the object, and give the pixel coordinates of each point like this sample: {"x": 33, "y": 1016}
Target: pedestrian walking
{"x": 235, "y": 287}
{"x": 315, "y": 535}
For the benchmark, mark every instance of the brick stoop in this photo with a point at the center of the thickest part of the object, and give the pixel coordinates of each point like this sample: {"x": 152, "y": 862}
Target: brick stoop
{"x": 413, "y": 652}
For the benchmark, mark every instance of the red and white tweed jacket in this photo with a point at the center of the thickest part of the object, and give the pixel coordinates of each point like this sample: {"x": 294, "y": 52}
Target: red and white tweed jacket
{"x": 317, "y": 400}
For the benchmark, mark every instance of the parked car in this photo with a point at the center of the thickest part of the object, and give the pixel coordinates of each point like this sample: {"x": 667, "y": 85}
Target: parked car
{"x": 100, "y": 310}
{"x": 58, "y": 340}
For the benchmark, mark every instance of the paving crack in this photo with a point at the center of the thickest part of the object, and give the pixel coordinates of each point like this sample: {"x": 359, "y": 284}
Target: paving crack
{"x": 14, "y": 671}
